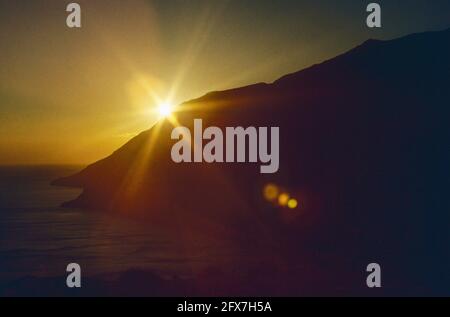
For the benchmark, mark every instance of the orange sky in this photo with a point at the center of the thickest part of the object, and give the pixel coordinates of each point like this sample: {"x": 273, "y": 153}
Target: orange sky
{"x": 73, "y": 96}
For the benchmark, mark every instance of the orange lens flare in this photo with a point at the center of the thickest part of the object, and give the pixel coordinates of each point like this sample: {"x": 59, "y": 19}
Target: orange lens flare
{"x": 271, "y": 192}
{"x": 283, "y": 199}
{"x": 274, "y": 194}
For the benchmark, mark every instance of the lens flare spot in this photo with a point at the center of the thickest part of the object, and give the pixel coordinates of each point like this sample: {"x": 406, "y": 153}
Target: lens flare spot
{"x": 292, "y": 203}
{"x": 271, "y": 192}
{"x": 283, "y": 199}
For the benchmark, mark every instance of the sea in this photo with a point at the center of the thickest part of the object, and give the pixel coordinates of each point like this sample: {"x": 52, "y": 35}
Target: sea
{"x": 39, "y": 238}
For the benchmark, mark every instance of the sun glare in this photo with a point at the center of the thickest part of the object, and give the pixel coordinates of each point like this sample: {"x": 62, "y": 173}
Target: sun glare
{"x": 165, "y": 109}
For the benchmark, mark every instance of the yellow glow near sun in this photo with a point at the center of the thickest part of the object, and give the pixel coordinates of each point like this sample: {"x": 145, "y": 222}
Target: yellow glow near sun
{"x": 165, "y": 109}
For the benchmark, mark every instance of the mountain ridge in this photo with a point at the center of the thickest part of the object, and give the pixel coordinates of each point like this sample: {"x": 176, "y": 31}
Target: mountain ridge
{"x": 262, "y": 85}
{"x": 292, "y": 76}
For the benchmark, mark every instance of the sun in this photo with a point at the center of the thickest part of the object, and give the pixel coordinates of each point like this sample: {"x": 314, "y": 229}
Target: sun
{"x": 165, "y": 109}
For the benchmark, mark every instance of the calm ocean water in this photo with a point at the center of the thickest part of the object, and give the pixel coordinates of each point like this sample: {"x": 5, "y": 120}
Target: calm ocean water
{"x": 38, "y": 238}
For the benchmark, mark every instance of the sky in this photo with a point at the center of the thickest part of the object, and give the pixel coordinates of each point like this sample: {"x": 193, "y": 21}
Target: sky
{"x": 73, "y": 96}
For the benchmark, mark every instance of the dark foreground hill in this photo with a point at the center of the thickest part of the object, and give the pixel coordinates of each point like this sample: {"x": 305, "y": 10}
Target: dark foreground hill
{"x": 364, "y": 147}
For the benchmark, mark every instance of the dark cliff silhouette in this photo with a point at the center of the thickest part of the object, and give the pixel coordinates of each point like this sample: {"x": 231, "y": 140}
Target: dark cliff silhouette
{"x": 364, "y": 146}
